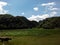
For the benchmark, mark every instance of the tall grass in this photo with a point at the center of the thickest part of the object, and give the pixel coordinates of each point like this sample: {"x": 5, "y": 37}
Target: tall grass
{"x": 29, "y": 32}
{"x": 33, "y": 36}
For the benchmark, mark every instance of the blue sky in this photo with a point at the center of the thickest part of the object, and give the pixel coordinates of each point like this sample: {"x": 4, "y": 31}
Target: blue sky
{"x": 32, "y": 8}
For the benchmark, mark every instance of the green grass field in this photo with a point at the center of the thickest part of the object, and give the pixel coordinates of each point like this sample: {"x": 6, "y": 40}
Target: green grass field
{"x": 34, "y": 36}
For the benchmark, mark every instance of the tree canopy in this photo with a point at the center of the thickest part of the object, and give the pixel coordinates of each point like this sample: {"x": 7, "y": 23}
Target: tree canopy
{"x": 8, "y": 21}
{"x": 49, "y": 23}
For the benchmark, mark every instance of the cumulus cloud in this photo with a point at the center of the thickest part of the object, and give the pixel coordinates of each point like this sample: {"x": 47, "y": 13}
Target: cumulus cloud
{"x": 38, "y": 17}
{"x": 53, "y": 9}
{"x": 2, "y": 4}
{"x": 35, "y": 8}
{"x": 41, "y": 17}
{"x": 48, "y": 4}
{"x": 49, "y": 7}
{"x": 53, "y": 13}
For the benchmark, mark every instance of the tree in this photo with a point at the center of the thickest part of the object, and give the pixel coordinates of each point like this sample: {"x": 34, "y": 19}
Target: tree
{"x": 8, "y": 21}
{"x": 49, "y": 23}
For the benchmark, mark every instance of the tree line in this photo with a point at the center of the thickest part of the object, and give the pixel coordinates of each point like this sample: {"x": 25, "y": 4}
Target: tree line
{"x": 7, "y": 21}
{"x": 50, "y": 23}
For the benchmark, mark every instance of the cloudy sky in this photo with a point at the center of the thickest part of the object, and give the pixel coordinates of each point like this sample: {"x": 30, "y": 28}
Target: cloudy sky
{"x": 31, "y": 9}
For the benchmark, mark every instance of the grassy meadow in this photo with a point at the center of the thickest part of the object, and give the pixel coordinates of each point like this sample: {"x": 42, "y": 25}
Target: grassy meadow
{"x": 33, "y": 36}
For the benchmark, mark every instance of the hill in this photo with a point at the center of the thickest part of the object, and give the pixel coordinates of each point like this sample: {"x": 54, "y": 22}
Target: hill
{"x": 49, "y": 23}
{"x": 8, "y": 21}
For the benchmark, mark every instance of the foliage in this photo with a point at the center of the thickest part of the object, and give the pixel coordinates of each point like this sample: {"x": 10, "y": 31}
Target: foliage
{"x": 29, "y": 32}
{"x": 33, "y": 36}
{"x": 8, "y": 21}
{"x": 50, "y": 23}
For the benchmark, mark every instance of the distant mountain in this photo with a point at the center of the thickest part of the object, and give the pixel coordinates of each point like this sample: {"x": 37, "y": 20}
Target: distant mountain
{"x": 8, "y": 21}
{"x": 49, "y": 23}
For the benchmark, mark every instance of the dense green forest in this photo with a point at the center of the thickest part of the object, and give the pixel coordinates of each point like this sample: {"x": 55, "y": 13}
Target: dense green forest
{"x": 8, "y": 21}
{"x": 25, "y": 32}
{"x": 50, "y": 23}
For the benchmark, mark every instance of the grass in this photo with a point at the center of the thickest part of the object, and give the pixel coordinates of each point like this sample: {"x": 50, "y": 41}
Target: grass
{"x": 29, "y": 32}
{"x": 32, "y": 36}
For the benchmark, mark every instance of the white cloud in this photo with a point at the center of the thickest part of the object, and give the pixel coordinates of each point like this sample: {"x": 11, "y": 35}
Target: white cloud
{"x": 2, "y": 4}
{"x": 38, "y": 17}
{"x": 36, "y": 8}
{"x": 23, "y": 13}
{"x": 53, "y": 9}
{"x": 50, "y": 10}
{"x": 53, "y": 14}
{"x": 48, "y": 4}
{"x": 41, "y": 17}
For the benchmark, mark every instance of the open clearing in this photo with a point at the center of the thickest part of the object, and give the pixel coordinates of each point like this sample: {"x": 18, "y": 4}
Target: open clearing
{"x": 32, "y": 36}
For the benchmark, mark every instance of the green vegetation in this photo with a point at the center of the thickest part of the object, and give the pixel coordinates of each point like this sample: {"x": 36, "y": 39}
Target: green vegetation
{"x": 33, "y": 36}
{"x": 50, "y": 23}
{"x": 8, "y": 21}
{"x": 29, "y": 32}
{"x": 25, "y": 32}
{"x": 35, "y": 40}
